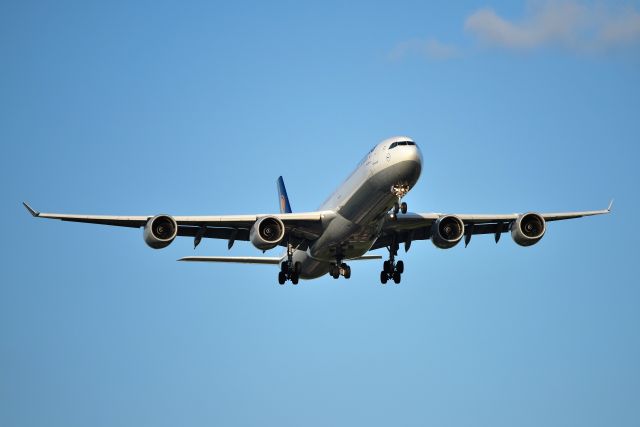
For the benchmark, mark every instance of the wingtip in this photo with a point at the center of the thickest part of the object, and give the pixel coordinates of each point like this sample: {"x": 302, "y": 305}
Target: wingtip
{"x": 610, "y": 206}
{"x": 32, "y": 211}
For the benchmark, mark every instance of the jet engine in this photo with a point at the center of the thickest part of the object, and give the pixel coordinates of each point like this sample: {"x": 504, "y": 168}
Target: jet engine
{"x": 447, "y": 231}
{"x": 267, "y": 233}
{"x": 160, "y": 231}
{"x": 528, "y": 229}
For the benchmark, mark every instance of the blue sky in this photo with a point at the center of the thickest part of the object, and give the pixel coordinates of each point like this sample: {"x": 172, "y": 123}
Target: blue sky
{"x": 196, "y": 108}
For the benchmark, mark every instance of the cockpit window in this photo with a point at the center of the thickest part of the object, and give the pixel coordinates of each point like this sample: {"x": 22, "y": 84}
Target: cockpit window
{"x": 395, "y": 144}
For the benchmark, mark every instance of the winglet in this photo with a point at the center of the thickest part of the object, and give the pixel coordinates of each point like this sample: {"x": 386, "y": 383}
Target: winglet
{"x": 30, "y": 209}
{"x": 610, "y": 206}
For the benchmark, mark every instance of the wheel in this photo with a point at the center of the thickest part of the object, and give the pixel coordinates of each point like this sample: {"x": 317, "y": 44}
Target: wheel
{"x": 333, "y": 270}
{"x": 347, "y": 271}
{"x": 386, "y": 267}
{"x": 396, "y": 208}
{"x": 403, "y": 207}
{"x": 336, "y": 274}
{"x": 282, "y": 277}
{"x": 294, "y": 278}
{"x": 396, "y": 277}
{"x": 400, "y": 267}
{"x": 383, "y": 277}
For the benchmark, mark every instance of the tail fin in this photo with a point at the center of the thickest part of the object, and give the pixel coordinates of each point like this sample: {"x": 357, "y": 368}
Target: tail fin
{"x": 285, "y": 207}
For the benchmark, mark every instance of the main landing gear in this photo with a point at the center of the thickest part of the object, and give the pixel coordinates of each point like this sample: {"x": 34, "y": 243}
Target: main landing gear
{"x": 392, "y": 270}
{"x": 288, "y": 269}
{"x": 340, "y": 269}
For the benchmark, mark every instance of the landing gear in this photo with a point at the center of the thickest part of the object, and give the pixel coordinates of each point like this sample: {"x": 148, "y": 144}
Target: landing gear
{"x": 391, "y": 269}
{"x": 399, "y": 190}
{"x": 384, "y": 277}
{"x": 340, "y": 269}
{"x": 288, "y": 269}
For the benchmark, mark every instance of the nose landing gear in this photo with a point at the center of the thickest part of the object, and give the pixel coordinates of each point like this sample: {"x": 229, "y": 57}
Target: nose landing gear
{"x": 399, "y": 190}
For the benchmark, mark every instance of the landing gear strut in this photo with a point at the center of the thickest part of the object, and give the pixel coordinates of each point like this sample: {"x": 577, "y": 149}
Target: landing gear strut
{"x": 288, "y": 269}
{"x": 392, "y": 270}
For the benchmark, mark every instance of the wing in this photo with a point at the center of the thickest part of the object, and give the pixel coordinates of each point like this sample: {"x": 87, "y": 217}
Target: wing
{"x": 300, "y": 227}
{"x": 417, "y": 226}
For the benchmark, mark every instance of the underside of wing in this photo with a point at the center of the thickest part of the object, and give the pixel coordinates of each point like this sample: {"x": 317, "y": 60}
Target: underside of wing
{"x": 299, "y": 228}
{"x": 421, "y": 226}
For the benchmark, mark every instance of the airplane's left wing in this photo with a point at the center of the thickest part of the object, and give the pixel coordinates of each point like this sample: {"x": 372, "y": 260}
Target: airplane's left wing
{"x": 299, "y": 227}
{"x": 418, "y": 226}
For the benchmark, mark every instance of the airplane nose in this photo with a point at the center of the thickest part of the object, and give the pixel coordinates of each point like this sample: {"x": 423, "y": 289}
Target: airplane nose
{"x": 416, "y": 155}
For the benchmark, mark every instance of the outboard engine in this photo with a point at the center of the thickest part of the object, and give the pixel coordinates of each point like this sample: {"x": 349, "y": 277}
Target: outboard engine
{"x": 160, "y": 231}
{"x": 267, "y": 233}
{"x": 447, "y": 231}
{"x": 528, "y": 229}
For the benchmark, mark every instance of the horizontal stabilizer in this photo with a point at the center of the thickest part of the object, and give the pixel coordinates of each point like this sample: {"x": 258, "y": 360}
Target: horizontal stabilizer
{"x": 366, "y": 257}
{"x": 236, "y": 259}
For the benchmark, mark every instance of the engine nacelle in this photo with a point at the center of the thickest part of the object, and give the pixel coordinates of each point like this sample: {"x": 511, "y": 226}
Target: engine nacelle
{"x": 160, "y": 231}
{"x": 267, "y": 233}
{"x": 447, "y": 231}
{"x": 528, "y": 229}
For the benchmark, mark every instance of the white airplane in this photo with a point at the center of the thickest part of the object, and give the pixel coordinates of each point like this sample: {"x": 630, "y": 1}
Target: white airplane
{"x": 365, "y": 213}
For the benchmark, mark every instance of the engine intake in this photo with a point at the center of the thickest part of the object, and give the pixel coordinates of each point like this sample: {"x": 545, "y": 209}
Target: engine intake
{"x": 447, "y": 231}
{"x": 528, "y": 229}
{"x": 160, "y": 231}
{"x": 267, "y": 233}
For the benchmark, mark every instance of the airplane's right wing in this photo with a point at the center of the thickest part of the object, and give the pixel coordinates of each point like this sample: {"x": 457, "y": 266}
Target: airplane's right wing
{"x": 300, "y": 228}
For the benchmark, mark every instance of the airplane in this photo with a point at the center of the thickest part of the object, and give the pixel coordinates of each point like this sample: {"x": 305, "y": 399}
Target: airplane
{"x": 365, "y": 213}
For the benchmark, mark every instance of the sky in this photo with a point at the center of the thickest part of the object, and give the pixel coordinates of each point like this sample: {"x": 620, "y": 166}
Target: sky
{"x": 194, "y": 108}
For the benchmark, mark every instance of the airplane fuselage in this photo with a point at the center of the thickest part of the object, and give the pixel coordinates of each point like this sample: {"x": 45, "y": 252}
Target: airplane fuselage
{"x": 356, "y": 211}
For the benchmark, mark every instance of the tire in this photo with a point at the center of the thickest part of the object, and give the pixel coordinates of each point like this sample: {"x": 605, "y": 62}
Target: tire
{"x": 386, "y": 267}
{"x": 396, "y": 277}
{"x": 282, "y": 277}
{"x": 400, "y": 267}
{"x": 403, "y": 207}
{"x": 332, "y": 270}
{"x": 396, "y": 208}
{"x": 347, "y": 272}
{"x": 294, "y": 278}
{"x": 383, "y": 277}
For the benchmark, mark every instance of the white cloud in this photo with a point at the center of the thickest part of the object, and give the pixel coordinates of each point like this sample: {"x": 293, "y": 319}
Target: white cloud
{"x": 429, "y": 48}
{"x": 568, "y": 24}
